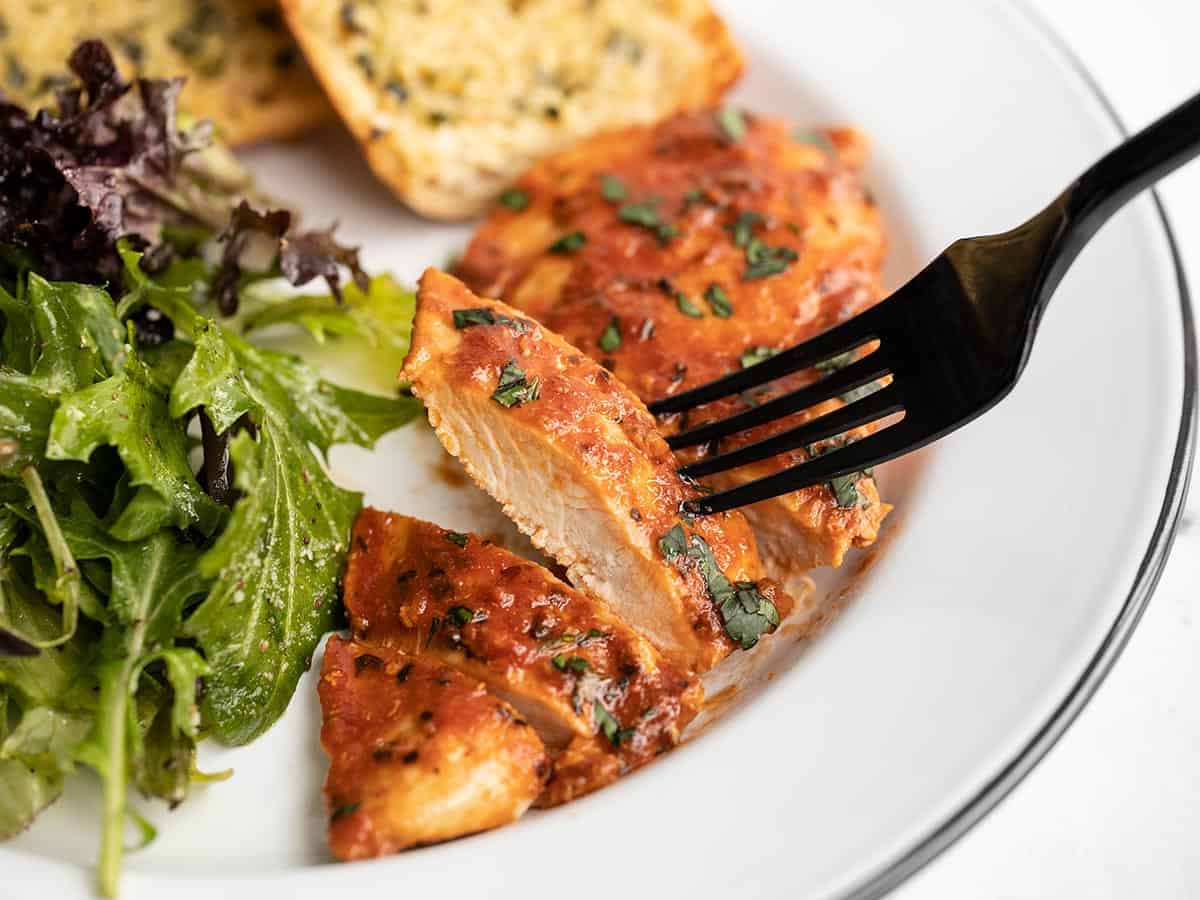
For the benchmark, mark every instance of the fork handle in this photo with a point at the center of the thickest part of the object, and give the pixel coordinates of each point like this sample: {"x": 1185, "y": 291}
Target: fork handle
{"x": 1153, "y": 153}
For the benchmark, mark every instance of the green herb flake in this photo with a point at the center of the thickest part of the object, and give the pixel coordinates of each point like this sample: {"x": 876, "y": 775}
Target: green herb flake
{"x": 346, "y": 809}
{"x": 568, "y": 243}
{"x": 673, "y": 544}
{"x": 457, "y": 537}
{"x": 845, "y": 490}
{"x": 644, "y": 214}
{"x": 752, "y": 356}
{"x": 844, "y": 487}
{"x": 743, "y": 227}
{"x": 747, "y": 615}
{"x": 718, "y": 301}
{"x": 863, "y": 390}
{"x": 575, "y": 664}
{"x": 514, "y": 199}
{"x": 606, "y": 724}
{"x": 817, "y": 139}
{"x": 834, "y": 363}
{"x": 687, "y": 307}
{"x": 461, "y": 615}
{"x": 513, "y": 389}
{"x": 465, "y": 318}
{"x": 732, "y": 124}
{"x": 764, "y": 261}
{"x": 610, "y": 338}
{"x": 612, "y": 188}
{"x": 693, "y": 196}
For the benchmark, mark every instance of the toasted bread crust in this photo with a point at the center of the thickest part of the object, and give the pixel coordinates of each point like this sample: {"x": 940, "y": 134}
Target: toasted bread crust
{"x": 243, "y": 70}
{"x": 450, "y": 108}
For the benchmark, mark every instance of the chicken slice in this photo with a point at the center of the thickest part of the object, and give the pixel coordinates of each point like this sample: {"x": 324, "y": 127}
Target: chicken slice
{"x": 577, "y": 462}
{"x": 419, "y": 753}
{"x": 577, "y": 673}
{"x": 678, "y": 252}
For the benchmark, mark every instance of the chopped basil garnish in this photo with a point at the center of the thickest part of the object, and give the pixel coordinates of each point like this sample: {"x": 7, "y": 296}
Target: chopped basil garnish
{"x": 687, "y": 307}
{"x": 612, "y": 188}
{"x": 609, "y": 726}
{"x": 568, "y": 243}
{"x": 845, "y": 490}
{"x": 457, "y": 537}
{"x": 752, "y": 356}
{"x": 646, "y": 215}
{"x": 718, "y": 301}
{"x": 745, "y": 612}
{"x": 844, "y": 487}
{"x": 817, "y": 139}
{"x": 732, "y": 124}
{"x": 461, "y": 615}
{"x": 695, "y": 195}
{"x": 743, "y": 227}
{"x": 515, "y": 199}
{"x": 834, "y": 363}
{"x": 465, "y": 318}
{"x": 576, "y": 664}
{"x": 673, "y": 544}
{"x": 513, "y": 389}
{"x": 863, "y": 390}
{"x": 345, "y": 809}
{"x": 610, "y": 338}
{"x": 763, "y": 260}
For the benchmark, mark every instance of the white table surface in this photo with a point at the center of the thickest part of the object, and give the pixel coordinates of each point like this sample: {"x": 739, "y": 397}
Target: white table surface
{"x": 1113, "y": 811}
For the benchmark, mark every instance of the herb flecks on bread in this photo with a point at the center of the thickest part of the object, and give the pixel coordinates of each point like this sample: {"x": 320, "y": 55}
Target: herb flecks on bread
{"x": 452, "y": 100}
{"x": 243, "y": 70}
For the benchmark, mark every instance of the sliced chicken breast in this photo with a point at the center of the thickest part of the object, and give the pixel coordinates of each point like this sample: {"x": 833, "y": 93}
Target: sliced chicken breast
{"x": 577, "y": 462}
{"x": 678, "y": 252}
{"x": 576, "y": 672}
{"x": 419, "y": 753}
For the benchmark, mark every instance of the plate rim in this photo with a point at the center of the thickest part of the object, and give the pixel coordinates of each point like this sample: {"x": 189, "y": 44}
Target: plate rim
{"x": 885, "y": 877}
{"x": 954, "y": 826}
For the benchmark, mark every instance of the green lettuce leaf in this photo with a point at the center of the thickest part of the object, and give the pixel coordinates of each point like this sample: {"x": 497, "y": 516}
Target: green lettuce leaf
{"x": 58, "y": 338}
{"x": 278, "y": 560}
{"x": 366, "y": 336}
{"x": 129, "y": 412}
{"x": 152, "y": 581}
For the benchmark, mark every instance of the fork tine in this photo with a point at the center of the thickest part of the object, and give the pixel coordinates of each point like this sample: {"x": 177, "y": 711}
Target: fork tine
{"x": 875, "y": 406}
{"x": 864, "y": 371}
{"x": 888, "y": 443}
{"x": 849, "y": 335}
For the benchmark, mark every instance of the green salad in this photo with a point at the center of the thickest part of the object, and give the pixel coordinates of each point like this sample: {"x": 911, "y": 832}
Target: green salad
{"x": 171, "y": 543}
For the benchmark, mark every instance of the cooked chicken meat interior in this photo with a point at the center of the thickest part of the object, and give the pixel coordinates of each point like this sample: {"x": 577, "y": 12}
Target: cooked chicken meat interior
{"x": 578, "y": 463}
{"x": 419, "y": 752}
{"x": 678, "y": 252}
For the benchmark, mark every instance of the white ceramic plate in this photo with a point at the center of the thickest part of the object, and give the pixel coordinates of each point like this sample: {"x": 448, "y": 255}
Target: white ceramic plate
{"x": 1019, "y": 558}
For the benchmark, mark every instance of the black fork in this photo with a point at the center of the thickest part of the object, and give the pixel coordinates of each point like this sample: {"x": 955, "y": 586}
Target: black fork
{"x": 954, "y": 339}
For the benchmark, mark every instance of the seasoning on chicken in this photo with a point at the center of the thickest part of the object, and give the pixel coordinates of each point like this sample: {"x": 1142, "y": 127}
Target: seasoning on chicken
{"x": 679, "y": 252}
{"x": 577, "y": 462}
{"x": 577, "y": 673}
{"x": 419, "y": 753}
